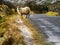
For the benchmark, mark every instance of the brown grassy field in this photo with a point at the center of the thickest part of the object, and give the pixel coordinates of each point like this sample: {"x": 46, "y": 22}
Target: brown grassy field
{"x": 38, "y": 37}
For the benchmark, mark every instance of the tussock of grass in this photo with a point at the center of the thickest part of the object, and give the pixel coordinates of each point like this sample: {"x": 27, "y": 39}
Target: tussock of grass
{"x": 9, "y": 29}
{"x": 2, "y": 18}
{"x": 32, "y": 12}
{"x": 50, "y": 13}
{"x": 1, "y": 29}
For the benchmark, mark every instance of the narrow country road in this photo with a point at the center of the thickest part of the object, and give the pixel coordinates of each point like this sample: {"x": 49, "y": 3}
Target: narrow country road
{"x": 49, "y": 26}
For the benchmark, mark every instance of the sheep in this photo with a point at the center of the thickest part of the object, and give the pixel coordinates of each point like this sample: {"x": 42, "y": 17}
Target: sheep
{"x": 24, "y": 11}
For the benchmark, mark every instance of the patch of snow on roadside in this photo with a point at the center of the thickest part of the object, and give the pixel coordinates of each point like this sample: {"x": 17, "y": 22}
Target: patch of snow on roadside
{"x": 25, "y": 31}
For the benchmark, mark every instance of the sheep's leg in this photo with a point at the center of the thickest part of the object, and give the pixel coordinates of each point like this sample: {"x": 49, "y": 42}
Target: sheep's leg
{"x": 28, "y": 15}
{"x": 22, "y": 15}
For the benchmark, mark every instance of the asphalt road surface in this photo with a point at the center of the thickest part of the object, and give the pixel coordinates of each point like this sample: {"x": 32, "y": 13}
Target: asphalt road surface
{"x": 50, "y": 26}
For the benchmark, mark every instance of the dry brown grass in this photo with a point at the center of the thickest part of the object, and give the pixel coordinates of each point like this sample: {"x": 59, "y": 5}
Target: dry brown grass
{"x": 32, "y": 12}
{"x": 38, "y": 38}
{"x": 10, "y": 30}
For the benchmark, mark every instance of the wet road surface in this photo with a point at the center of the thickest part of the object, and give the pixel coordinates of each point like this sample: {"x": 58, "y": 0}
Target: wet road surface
{"x": 49, "y": 26}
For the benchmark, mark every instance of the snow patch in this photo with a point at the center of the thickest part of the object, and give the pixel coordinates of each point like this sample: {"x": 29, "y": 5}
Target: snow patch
{"x": 25, "y": 32}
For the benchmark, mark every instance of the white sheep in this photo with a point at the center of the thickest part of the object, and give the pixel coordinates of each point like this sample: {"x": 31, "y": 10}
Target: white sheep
{"x": 24, "y": 11}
